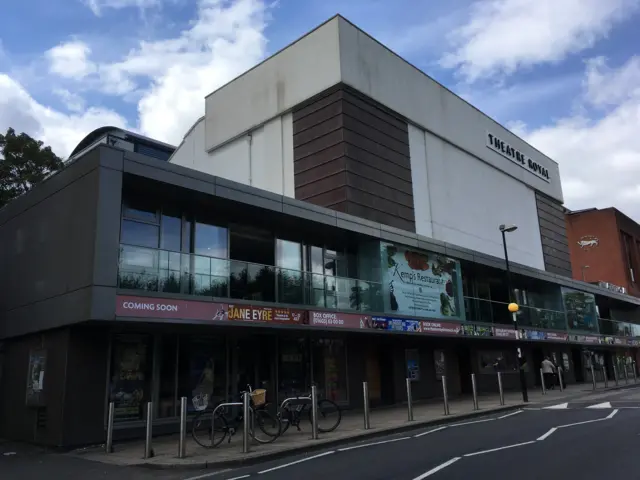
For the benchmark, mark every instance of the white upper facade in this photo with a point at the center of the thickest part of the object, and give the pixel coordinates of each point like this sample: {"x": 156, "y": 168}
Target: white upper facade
{"x": 469, "y": 173}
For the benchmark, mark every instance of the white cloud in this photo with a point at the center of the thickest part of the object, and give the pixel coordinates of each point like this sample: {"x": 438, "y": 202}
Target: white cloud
{"x": 501, "y": 36}
{"x": 97, "y": 6}
{"x": 70, "y": 60}
{"x": 72, "y": 101}
{"x": 62, "y": 132}
{"x": 599, "y": 157}
{"x": 171, "y": 77}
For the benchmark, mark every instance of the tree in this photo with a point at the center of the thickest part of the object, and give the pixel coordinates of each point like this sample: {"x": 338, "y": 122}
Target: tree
{"x": 24, "y": 162}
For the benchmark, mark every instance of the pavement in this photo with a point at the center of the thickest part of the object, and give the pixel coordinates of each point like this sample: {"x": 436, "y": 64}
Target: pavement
{"x": 395, "y": 448}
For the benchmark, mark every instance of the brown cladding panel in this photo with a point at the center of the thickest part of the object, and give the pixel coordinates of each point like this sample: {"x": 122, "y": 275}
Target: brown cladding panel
{"x": 352, "y": 154}
{"x": 553, "y": 236}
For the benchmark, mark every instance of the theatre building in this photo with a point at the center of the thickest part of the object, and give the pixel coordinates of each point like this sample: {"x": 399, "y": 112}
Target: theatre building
{"x": 332, "y": 219}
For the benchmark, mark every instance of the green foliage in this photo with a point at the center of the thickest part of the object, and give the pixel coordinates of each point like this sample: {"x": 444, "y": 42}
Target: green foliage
{"x": 24, "y": 162}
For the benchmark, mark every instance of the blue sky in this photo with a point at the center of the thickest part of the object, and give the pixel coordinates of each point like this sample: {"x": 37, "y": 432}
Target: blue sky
{"x": 563, "y": 74}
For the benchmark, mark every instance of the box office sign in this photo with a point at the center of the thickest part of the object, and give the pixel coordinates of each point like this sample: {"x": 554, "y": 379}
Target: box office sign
{"x": 339, "y": 320}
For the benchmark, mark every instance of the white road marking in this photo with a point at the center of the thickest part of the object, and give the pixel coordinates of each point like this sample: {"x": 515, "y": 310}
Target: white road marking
{"x": 471, "y": 423}
{"x": 297, "y": 461}
{"x": 510, "y": 414}
{"x": 429, "y": 431}
{"x": 558, "y": 406}
{"x": 547, "y": 435}
{"x": 612, "y": 414}
{"x": 581, "y": 423}
{"x": 499, "y": 448}
{"x": 437, "y": 469}
{"x": 213, "y": 474}
{"x": 601, "y": 405}
{"x": 371, "y": 444}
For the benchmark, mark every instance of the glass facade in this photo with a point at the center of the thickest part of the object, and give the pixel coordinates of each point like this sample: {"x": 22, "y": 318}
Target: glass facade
{"x": 163, "y": 368}
{"x": 166, "y": 250}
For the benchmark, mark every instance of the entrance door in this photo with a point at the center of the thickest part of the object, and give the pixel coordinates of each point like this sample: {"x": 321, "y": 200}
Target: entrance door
{"x": 538, "y": 357}
{"x": 253, "y": 363}
{"x": 464, "y": 366}
{"x": 578, "y": 370}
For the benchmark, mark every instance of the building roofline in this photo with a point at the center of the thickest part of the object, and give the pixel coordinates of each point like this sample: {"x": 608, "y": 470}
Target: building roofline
{"x": 100, "y": 132}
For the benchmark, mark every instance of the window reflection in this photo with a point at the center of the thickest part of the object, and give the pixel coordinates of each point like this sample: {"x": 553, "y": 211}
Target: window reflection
{"x": 171, "y": 233}
{"x": 137, "y": 233}
{"x": 211, "y": 241}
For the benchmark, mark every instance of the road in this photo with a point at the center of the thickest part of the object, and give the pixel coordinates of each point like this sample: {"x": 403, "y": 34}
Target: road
{"x": 592, "y": 438}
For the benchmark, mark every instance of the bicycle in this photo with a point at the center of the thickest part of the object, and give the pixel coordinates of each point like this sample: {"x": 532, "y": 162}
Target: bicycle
{"x": 291, "y": 410}
{"x": 212, "y": 425}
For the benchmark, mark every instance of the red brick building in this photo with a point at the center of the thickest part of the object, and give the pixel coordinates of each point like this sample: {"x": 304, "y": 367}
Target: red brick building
{"x": 605, "y": 247}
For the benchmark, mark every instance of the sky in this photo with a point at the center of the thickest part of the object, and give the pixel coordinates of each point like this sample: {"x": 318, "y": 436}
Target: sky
{"x": 562, "y": 74}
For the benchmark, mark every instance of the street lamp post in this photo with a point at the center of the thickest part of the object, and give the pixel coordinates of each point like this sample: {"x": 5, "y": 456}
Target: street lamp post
{"x": 513, "y": 309}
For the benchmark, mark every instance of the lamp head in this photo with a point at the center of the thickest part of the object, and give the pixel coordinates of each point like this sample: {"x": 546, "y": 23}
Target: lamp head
{"x": 513, "y": 307}
{"x": 508, "y": 228}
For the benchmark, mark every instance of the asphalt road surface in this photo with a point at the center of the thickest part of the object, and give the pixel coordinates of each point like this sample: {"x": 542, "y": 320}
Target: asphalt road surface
{"x": 592, "y": 438}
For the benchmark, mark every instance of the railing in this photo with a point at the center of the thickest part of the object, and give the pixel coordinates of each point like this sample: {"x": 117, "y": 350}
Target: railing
{"x": 489, "y": 311}
{"x": 618, "y": 329}
{"x": 173, "y": 272}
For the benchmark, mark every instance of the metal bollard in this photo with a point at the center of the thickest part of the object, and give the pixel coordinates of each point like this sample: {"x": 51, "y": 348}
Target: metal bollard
{"x": 182, "y": 441}
{"x": 561, "y": 380}
{"x": 409, "y": 401}
{"x": 148, "y": 450}
{"x": 635, "y": 376}
{"x": 593, "y": 377}
{"x": 544, "y": 387}
{"x": 314, "y": 412}
{"x": 246, "y": 421}
{"x": 365, "y": 392}
{"x": 606, "y": 377}
{"x": 615, "y": 374}
{"x": 108, "y": 446}
{"x": 445, "y": 395}
{"x": 500, "y": 390}
{"x": 475, "y": 391}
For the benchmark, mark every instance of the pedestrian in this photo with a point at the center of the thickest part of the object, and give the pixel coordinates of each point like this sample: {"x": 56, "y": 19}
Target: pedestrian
{"x": 547, "y": 371}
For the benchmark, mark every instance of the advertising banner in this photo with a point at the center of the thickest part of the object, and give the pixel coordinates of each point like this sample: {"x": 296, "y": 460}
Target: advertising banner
{"x": 248, "y": 313}
{"x": 148, "y": 307}
{"x": 501, "y": 332}
{"x": 421, "y": 283}
{"x": 442, "y": 327}
{"x": 557, "y": 337}
{"x": 339, "y": 320}
{"x": 396, "y": 324}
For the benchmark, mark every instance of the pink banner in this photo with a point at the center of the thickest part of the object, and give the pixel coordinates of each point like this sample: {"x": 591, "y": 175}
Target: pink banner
{"x": 339, "y": 320}
{"x": 504, "y": 333}
{"x": 148, "y": 307}
{"x": 442, "y": 327}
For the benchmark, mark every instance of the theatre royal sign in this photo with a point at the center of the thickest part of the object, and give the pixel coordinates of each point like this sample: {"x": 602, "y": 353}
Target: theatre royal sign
{"x": 517, "y": 157}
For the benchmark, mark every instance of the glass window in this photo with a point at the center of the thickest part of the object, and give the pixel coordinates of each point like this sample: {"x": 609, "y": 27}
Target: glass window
{"x": 137, "y": 233}
{"x": 171, "y": 233}
{"x": 211, "y": 241}
{"x": 293, "y": 367}
{"x": 203, "y": 369}
{"x": 581, "y": 310}
{"x": 136, "y": 211}
{"x": 289, "y": 255}
{"x": 497, "y": 361}
{"x": 330, "y": 368}
{"x": 130, "y": 376}
{"x": 167, "y": 398}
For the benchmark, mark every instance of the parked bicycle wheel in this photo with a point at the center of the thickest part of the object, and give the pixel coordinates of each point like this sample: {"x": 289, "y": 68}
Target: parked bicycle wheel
{"x": 329, "y": 416}
{"x": 208, "y": 431}
{"x": 285, "y": 416}
{"x": 266, "y": 427}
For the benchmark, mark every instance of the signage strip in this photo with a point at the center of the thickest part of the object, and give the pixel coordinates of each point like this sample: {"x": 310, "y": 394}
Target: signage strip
{"x": 167, "y": 308}
{"x": 516, "y": 156}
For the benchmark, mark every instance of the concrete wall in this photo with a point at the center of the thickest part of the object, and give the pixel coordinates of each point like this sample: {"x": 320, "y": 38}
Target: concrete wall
{"x": 261, "y": 158}
{"x": 461, "y": 200}
{"x": 305, "y": 68}
{"x": 371, "y": 68}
